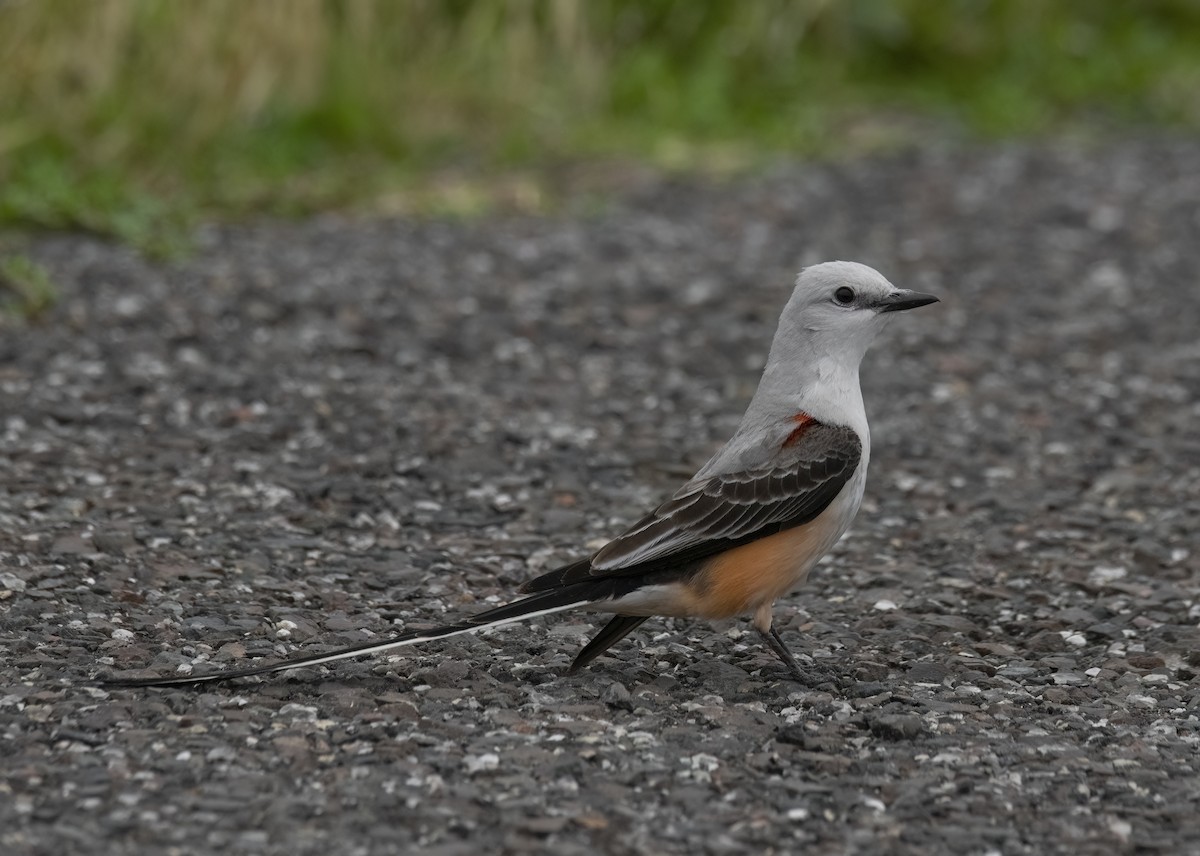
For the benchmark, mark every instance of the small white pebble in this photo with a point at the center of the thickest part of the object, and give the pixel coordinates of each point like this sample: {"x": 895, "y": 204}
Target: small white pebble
{"x": 122, "y": 635}
{"x": 885, "y": 605}
{"x": 874, "y": 803}
{"x": 503, "y": 502}
{"x": 1102, "y": 574}
{"x": 704, "y": 761}
{"x": 1120, "y": 828}
{"x": 1073, "y": 638}
{"x": 481, "y": 763}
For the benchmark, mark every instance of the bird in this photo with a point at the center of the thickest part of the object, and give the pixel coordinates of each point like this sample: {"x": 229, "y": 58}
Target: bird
{"x": 749, "y": 525}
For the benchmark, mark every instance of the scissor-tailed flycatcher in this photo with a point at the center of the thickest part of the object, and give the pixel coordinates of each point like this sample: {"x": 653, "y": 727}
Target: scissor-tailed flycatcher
{"x": 752, "y": 522}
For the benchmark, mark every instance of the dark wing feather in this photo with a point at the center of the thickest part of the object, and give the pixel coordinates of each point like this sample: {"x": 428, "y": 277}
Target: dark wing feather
{"x": 726, "y": 510}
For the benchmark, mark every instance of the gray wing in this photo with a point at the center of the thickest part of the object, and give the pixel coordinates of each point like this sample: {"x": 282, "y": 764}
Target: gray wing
{"x": 739, "y": 507}
{"x": 725, "y": 510}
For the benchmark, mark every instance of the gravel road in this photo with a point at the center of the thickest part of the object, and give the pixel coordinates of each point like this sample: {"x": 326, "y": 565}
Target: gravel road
{"x": 312, "y": 434}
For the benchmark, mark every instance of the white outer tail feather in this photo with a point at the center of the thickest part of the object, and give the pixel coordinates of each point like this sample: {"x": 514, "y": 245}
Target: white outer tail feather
{"x": 404, "y": 643}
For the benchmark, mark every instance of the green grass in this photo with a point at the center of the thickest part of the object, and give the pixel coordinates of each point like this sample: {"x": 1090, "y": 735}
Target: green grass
{"x": 26, "y": 290}
{"x": 135, "y": 118}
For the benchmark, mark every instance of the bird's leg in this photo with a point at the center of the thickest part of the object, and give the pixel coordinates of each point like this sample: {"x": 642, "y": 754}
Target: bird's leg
{"x": 771, "y": 637}
{"x": 766, "y": 629}
{"x": 817, "y": 676}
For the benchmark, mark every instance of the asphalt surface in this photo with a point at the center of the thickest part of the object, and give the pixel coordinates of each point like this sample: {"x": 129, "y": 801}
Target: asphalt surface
{"x": 313, "y": 434}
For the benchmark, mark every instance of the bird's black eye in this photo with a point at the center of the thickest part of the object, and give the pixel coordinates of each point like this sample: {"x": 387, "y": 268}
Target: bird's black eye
{"x": 844, "y": 295}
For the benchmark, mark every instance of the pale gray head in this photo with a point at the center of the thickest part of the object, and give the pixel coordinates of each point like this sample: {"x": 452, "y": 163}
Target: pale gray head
{"x": 835, "y": 312}
{"x": 838, "y": 308}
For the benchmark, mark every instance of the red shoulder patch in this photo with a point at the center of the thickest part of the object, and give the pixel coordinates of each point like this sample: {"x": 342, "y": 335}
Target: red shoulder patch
{"x": 803, "y": 423}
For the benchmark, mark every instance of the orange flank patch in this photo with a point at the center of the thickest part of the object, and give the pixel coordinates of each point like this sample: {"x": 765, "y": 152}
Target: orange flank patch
{"x": 741, "y": 579}
{"x": 803, "y": 423}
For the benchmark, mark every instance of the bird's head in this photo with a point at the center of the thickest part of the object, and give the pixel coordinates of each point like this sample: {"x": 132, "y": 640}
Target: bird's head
{"x": 838, "y": 308}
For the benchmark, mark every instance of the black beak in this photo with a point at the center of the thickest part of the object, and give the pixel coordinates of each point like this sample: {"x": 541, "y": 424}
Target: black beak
{"x": 903, "y": 299}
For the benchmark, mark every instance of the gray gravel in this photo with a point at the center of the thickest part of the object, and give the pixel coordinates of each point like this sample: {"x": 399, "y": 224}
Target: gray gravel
{"x": 311, "y": 434}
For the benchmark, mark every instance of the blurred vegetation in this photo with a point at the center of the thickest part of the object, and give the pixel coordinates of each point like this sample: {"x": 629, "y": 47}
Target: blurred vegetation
{"x": 26, "y": 290}
{"x": 132, "y": 117}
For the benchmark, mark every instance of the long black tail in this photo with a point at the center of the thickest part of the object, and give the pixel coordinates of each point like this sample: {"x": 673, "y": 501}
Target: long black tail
{"x": 542, "y": 603}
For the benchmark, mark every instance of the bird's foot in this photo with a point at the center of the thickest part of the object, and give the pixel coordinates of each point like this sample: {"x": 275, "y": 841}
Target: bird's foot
{"x": 815, "y": 676}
